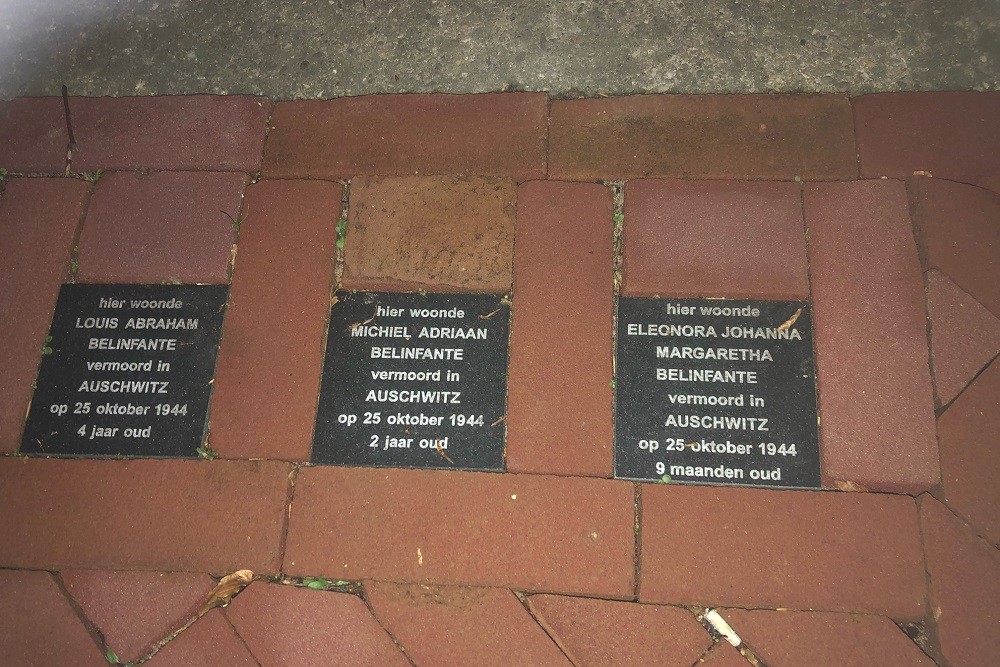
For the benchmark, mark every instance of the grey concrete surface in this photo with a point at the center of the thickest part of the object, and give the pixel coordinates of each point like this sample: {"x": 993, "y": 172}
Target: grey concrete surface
{"x": 332, "y": 48}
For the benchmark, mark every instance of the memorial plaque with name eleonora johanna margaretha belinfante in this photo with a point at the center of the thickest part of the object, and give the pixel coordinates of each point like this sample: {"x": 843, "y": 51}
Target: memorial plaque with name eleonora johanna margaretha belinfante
{"x": 414, "y": 380}
{"x": 715, "y": 391}
{"x": 127, "y": 371}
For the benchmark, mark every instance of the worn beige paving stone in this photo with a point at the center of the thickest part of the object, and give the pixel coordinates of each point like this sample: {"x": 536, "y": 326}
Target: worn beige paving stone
{"x": 431, "y": 232}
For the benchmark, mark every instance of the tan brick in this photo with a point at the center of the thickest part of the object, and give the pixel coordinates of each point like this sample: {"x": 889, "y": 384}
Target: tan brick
{"x": 487, "y": 135}
{"x": 432, "y": 232}
{"x": 774, "y": 137}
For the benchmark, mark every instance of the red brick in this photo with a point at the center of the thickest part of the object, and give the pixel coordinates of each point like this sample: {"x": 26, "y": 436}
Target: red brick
{"x": 512, "y": 531}
{"x": 970, "y": 466}
{"x": 964, "y": 335}
{"x": 486, "y": 135}
{"x": 722, "y": 655}
{"x": 559, "y": 394}
{"x": 601, "y": 632}
{"x": 211, "y": 642}
{"x": 285, "y": 625}
{"x": 192, "y": 132}
{"x": 461, "y": 626}
{"x": 38, "y": 219}
{"x": 267, "y": 379}
{"x": 958, "y": 227}
{"x": 871, "y": 338}
{"x": 818, "y": 639}
{"x": 162, "y": 226}
{"x": 715, "y": 239}
{"x": 431, "y": 232}
{"x": 964, "y": 576}
{"x": 38, "y": 625}
{"x": 802, "y": 550}
{"x": 772, "y": 137}
{"x": 134, "y": 610}
{"x": 954, "y": 135}
{"x": 204, "y": 516}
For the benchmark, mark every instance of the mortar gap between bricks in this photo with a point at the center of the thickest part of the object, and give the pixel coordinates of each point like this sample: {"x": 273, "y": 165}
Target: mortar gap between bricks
{"x": 816, "y": 359}
{"x": 317, "y": 583}
{"x": 212, "y": 601}
{"x": 402, "y": 649}
{"x": 523, "y": 599}
{"x": 73, "y": 266}
{"x": 930, "y": 618}
{"x": 548, "y": 135}
{"x": 930, "y": 348}
{"x": 704, "y": 654}
{"x": 916, "y": 631}
{"x": 637, "y": 544}
{"x": 236, "y": 632}
{"x": 95, "y": 633}
{"x": 267, "y": 133}
{"x": 965, "y": 522}
{"x": 720, "y": 630}
{"x": 854, "y": 137}
{"x": 237, "y": 223}
{"x": 944, "y": 408}
{"x": 341, "y": 241}
{"x": 286, "y": 522}
{"x": 617, "y": 189}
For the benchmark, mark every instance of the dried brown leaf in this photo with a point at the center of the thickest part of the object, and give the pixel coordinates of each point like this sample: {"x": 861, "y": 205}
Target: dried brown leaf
{"x": 228, "y": 586}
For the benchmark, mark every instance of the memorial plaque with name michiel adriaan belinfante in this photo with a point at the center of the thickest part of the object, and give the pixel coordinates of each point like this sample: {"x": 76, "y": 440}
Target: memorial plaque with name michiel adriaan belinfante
{"x": 127, "y": 371}
{"x": 414, "y": 380}
{"x": 716, "y": 392}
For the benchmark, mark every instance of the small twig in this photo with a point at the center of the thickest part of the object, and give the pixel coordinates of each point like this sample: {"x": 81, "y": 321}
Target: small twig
{"x": 437, "y": 446}
{"x": 787, "y": 324}
{"x": 366, "y": 322}
{"x": 488, "y": 316}
{"x": 71, "y": 146}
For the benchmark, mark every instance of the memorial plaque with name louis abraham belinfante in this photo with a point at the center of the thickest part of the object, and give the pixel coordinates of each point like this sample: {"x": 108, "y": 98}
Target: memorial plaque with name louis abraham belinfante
{"x": 415, "y": 381}
{"x": 127, "y": 371}
{"x": 715, "y": 391}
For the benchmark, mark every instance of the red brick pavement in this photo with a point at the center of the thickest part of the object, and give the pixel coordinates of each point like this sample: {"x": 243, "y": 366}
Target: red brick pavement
{"x": 842, "y": 202}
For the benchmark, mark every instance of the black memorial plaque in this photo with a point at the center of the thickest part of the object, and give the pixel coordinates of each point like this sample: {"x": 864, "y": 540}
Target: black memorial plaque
{"x": 127, "y": 371}
{"x": 716, "y": 392}
{"x": 414, "y": 380}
